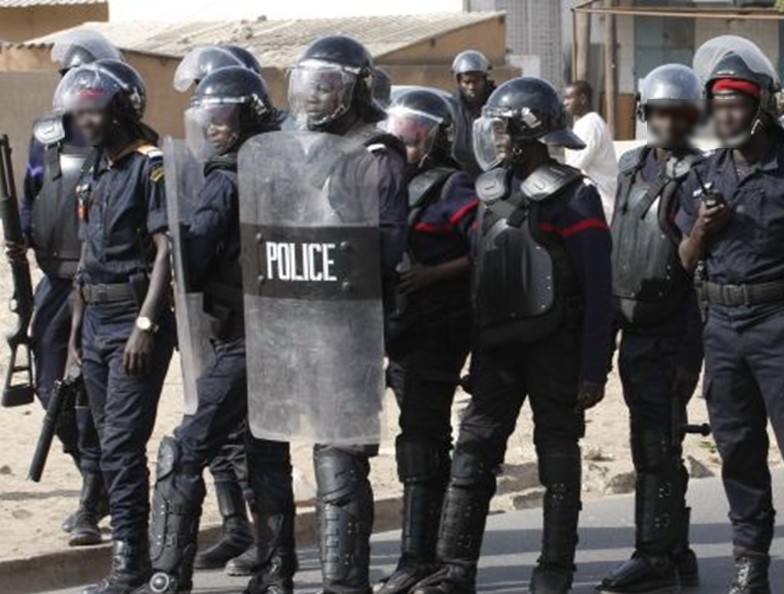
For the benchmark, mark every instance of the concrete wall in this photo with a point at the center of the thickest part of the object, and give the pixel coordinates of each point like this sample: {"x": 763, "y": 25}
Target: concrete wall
{"x": 19, "y": 24}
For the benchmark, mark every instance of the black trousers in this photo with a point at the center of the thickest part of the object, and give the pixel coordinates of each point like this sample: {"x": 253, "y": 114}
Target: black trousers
{"x": 744, "y": 389}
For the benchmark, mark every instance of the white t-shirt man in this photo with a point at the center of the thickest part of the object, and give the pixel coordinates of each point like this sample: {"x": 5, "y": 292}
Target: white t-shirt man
{"x": 597, "y": 160}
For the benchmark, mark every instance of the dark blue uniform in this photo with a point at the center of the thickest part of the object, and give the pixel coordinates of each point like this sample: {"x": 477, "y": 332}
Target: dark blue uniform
{"x": 213, "y": 250}
{"x": 744, "y": 331}
{"x": 50, "y": 327}
{"x": 428, "y": 357}
{"x": 659, "y": 361}
{"x": 122, "y": 205}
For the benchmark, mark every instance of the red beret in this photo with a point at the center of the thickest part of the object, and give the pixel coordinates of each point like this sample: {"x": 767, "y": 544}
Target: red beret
{"x": 734, "y": 85}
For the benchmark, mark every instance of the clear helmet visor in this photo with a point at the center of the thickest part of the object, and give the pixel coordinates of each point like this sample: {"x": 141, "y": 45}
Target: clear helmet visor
{"x": 212, "y": 129}
{"x": 713, "y": 51}
{"x": 83, "y": 46}
{"x": 415, "y": 128}
{"x": 85, "y": 88}
{"x": 200, "y": 62}
{"x": 491, "y": 141}
{"x": 319, "y": 92}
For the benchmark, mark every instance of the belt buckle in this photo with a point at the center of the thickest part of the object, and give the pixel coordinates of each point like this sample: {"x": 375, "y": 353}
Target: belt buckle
{"x": 101, "y": 293}
{"x": 733, "y": 295}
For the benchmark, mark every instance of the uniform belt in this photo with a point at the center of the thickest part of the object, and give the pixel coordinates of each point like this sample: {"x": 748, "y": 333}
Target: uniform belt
{"x": 107, "y": 293}
{"x": 752, "y": 294}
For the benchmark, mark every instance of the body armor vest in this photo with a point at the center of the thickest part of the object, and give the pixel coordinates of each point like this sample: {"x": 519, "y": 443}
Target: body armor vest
{"x": 525, "y": 285}
{"x": 649, "y": 281}
{"x": 425, "y": 189}
{"x": 55, "y": 220}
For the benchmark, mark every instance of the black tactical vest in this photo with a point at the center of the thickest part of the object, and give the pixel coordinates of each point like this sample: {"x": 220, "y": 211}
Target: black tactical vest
{"x": 525, "y": 285}
{"x": 55, "y": 219}
{"x": 649, "y": 282}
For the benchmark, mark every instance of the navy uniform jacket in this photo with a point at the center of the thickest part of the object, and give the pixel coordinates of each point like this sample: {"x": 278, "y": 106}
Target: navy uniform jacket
{"x": 121, "y": 205}
{"x": 749, "y": 248}
{"x": 581, "y": 224}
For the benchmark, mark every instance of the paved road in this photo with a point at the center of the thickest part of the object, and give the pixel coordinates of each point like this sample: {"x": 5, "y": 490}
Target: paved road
{"x": 512, "y": 543}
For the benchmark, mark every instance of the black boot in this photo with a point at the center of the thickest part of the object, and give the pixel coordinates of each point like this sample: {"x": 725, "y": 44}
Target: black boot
{"x": 276, "y": 554}
{"x": 751, "y": 573}
{"x": 237, "y": 535}
{"x": 686, "y": 559}
{"x": 245, "y": 564}
{"x": 174, "y": 523}
{"x": 130, "y": 569}
{"x": 659, "y": 522}
{"x": 423, "y": 469}
{"x": 344, "y": 509}
{"x": 560, "y": 473}
{"x": 462, "y": 527}
{"x": 85, "y": 530}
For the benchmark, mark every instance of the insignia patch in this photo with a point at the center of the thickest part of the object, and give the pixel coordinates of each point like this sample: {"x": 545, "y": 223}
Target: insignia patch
{"x": 156, "y": 174}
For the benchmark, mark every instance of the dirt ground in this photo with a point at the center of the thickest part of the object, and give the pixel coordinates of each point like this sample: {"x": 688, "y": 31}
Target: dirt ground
{"x": 31, "y": 513}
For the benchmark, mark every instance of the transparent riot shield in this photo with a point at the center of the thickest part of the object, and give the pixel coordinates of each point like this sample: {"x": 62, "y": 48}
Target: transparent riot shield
{"x": 312, "y": 283}
{"x": 184, "y": 180}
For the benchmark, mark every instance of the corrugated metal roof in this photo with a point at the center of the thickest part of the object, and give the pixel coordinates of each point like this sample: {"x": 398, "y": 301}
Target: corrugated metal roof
{"x": 30, "y": 3}
{"x": 277, "y": 42}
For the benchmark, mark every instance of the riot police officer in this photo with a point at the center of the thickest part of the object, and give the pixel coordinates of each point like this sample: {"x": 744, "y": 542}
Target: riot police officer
{"x": 236, "y": 548}
{"x": 230, "y": 105}
{"x": 542, "y": 307}
{"x": 49, "y": 221}
{"x": 661, "y": 347}
{"x": 430, "y": 333}
{"x": 471, "y": 70}
{"x": 122, "y": 332}
{"x": 330, "y": 93}
{"x": 732, "y": 216}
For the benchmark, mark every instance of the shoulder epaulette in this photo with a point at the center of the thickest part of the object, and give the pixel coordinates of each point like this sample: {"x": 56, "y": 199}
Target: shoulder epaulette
{"x": 150, "y": 151}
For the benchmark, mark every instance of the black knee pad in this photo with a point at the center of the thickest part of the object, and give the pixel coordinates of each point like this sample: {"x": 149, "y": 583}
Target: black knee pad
{"x": 654, "y": 451}
{"x": 560, "y": 464}
{"x": 419, "y": 460}
{"x": 340, "y": 474}
{"x": 470, "y": 469}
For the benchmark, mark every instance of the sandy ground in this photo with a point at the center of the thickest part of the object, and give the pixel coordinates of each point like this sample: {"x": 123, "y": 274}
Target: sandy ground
{"x": 31, "y": 513}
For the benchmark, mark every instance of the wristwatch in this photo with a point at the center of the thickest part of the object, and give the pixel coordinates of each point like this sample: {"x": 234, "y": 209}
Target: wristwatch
{"x": 145, "y": 324}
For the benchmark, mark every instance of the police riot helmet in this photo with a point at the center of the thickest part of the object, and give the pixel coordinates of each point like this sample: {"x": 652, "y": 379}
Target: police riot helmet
{"x": 230, "y": 104}
{"x": 670, "y": 85}
{"x": 101, "y": 85}
{"x": 82, "y": 46}
{"x": 525, "y": 109}
{"x": 470, "y": 61}
{"x": 730, "y": 64}
{"x": 422, "y": 118}
{"x": 245, "y": 56}
{"x": 382, "y": 87}
{"x": 199, "y": 62}
{"x": 333, "y": 76}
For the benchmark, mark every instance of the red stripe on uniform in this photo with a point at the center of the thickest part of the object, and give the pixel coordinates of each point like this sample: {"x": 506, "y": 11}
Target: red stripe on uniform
{"x": 460, "y": 214}
{"x": 428, "y": 228}
{"x": 574, "y": 229}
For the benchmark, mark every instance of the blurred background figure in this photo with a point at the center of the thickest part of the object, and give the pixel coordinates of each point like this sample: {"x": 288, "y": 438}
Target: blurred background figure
{"x": 597, "y": 160}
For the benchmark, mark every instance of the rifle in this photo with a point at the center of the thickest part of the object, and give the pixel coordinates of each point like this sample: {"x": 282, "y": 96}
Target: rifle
{"x": 67, "y": 394}
{"x": 16, "y": 393}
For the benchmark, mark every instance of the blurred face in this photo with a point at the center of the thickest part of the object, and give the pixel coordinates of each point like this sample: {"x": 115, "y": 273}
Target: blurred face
{"x": 733, "y": 115}
{"x": 94, "y": 125}
{"x": 671, "y": 127}
{"x": 472, "y": 86}
{"x": 574, "y": 102}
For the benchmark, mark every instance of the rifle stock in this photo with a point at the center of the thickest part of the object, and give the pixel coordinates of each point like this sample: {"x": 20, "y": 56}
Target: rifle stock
{"x": 18, "y": 388}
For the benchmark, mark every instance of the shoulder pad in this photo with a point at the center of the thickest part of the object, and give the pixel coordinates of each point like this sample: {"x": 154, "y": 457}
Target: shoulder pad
{"x": 150, "y": 151}
{"x": 49, "y": 129}
{"x": 423, "y": 183}
{"x": 631, "y": 159}
{"x": 548, "y": 180}
{"x": 492, "y": 185}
